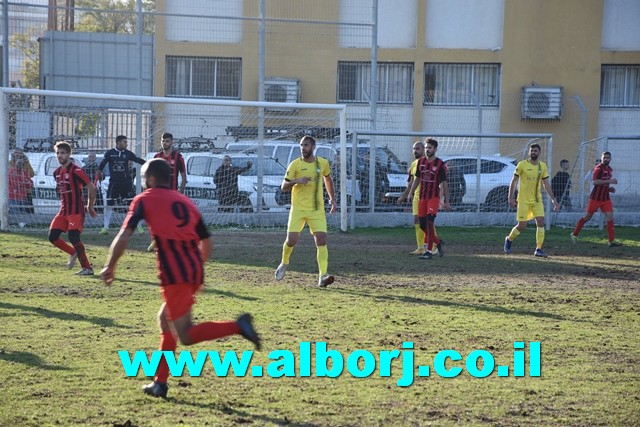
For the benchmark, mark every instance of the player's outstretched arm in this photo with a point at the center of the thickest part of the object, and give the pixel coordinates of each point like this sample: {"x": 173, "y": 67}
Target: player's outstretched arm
{"x": 117, "y": 248}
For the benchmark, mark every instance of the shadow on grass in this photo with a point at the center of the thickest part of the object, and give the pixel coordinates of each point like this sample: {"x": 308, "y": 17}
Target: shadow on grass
{"x": 61, "y": 315}
{"x": 442, "y": 303}
{"x": 243, "y": 417}
{"x": 210, "y": 290}
{"x": 29, "y": 359}
{"x": 205, "y": 289}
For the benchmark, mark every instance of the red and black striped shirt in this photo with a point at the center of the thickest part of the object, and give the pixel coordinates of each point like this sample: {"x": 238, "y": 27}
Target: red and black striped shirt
{"x": 69, "y": 183}
{"x": 177, "y": 228}
{"x": 431, "y": 175}
{"x": 600, "y": 192}
{"x": 176, "y": 165}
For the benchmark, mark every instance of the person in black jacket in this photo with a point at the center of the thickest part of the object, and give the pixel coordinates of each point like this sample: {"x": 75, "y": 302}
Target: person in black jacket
{"x": 226, "y": 181}
{"x": 121, "y": 190}
{"x": 91, "y": 169}
{"x": 457, "y": 183}
{"x": 561, "y": 184}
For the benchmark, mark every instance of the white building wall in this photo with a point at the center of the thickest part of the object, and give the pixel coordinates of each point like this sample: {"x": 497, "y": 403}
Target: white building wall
{"x": 397, "y": 23}
{"x": 206, "y": 30}
{"x": 621, "y": 25}
{"x": 464, "y": 24}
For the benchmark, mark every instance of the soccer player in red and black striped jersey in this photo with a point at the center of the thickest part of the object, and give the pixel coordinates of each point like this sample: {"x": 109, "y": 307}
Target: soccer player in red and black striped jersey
{"x": 599, "y": 199}
{"x": 431, "y": 174}
{"x": 176, "y": 166}
{"x": 175, "y": 160}
{"x": 70, "y": 179}
{"x": 183, "y": 244}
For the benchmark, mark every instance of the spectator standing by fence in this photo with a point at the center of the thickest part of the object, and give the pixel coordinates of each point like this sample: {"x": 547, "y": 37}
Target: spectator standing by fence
{"x": 226, "y": 181}
{"x": 561, "y": 185}
{"x": 20, "y": 186}
{"x": 17, "y": 155}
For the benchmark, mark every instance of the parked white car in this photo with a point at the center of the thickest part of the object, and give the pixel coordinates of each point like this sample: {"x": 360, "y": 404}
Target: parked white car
{"x": 201, "y": 168}
{"x": 495, "y": 175}
{"x": 45, "y": 196}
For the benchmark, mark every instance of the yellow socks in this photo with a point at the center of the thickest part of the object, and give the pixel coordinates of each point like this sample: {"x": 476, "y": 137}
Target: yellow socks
{"x": 323, "y": 259}
{"x": 419, "y": 236}
{"x": 539, "y": 237}
{"x": 514, "y": 233}
{"x": 286, "y": 253}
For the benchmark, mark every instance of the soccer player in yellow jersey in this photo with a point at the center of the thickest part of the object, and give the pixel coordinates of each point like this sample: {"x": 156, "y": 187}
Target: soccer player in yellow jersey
{"x": 532, "y": 174}
{"x": 304, "y": 179}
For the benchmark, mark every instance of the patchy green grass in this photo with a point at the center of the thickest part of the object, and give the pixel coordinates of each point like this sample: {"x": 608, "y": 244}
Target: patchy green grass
{"x": 60, "y": 333}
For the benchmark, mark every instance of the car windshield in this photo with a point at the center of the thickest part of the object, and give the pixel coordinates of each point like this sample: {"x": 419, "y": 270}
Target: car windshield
{"x": 53, "y": 164}
{"x": 384, "y": 157}
{"x": 269, "y": 166}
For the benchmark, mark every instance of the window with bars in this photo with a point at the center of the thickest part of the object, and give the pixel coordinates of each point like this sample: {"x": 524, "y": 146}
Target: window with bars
{"x": 203, "y": 77}
{"x": 620, "y": 86}
{"x": 395, "y": 82}
{"x": 462, "y": 84}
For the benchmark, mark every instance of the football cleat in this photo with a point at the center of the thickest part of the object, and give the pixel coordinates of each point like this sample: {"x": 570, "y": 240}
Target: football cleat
{"x": 85, "y": 272}
{"x": 539, "y": 253}
{"x": 614, "y": 243}
{"x": 507, "y": 245}
{"x": 426, "y": 255}
{"x": 151, "y": 246}
{"x": 72, "y": 260}
{"x": 281, "y": 270}
{"x": 440, "y": 248}
{"x": 104, "y": 231}
{"x": 156, "y": 389}
{"x": 418, "y": 251}
{"x": 325, "y": 280}
{"x": 140, "y": 229}
{"x": 245, "y": 323}
{"x": 574, "y": 238}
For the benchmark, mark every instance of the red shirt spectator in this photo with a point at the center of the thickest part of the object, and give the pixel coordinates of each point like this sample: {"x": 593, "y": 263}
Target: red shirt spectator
{"x": 20, "y": 183}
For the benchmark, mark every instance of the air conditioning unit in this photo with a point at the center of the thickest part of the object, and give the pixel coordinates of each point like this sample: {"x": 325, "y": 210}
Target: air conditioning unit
{"x": 541, "y": 102}
{"x": 279, "y": 89}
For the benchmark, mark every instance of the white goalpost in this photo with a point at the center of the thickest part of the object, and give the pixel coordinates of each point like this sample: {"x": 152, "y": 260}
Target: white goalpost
{"x": 33, "y": 120}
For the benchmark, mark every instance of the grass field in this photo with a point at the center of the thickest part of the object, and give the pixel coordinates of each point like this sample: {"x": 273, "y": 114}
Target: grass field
{"x": 61, "y": 333}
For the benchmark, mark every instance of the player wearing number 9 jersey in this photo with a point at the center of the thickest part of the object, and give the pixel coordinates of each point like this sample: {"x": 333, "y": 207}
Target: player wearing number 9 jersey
{"x": 183, "y": 244}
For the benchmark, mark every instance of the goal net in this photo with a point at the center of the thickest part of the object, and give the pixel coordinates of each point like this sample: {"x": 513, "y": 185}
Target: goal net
{"x": 204, "y": 131}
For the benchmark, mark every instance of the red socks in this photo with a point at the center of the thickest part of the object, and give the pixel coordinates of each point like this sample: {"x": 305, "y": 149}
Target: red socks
{"x": 208, "y": 331}
{"x": 82, "y": 255}
{"x": 167, "y": 343}
{"x": 64, "y": 246}
{"x": 611, "y": 231}
{"x": 579, "y": 225}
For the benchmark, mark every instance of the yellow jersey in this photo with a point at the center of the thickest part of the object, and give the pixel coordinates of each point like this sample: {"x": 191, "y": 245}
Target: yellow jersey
{"x": 412, "y": 173}
{"x": 531, "y": 177}
{"x": 308, "y": 197}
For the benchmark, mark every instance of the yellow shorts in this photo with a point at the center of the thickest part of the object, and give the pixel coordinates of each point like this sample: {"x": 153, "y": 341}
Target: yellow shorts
{"x": 414, "y": 204}
{"x": 528, "y": 211}
{"x": 317, "y": 221}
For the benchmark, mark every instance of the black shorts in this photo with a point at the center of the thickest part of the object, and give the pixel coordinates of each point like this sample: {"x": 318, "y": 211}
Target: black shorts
{"x": 120, "y": 193}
